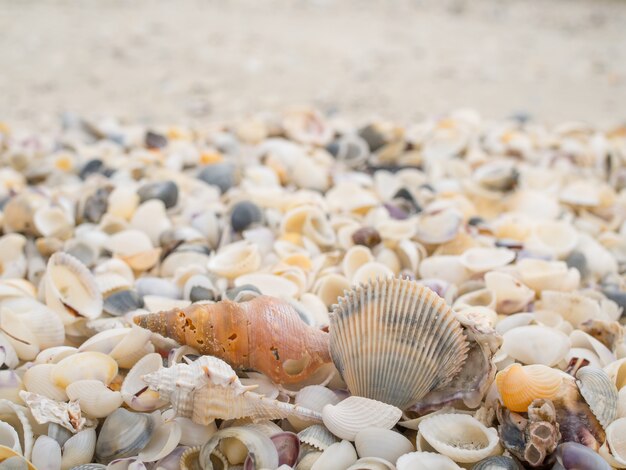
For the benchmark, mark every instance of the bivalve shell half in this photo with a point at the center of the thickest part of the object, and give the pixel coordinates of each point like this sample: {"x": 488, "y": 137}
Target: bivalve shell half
{"x": 236, "y": 259}
{"x": 372, "y": 463}
{"x": 614, "y": 449}
{"x": 480, "y": 260}
{"x": 426, "y": 461}
{"x": 312, "y": 397}
{"x": 95, "y": 399}
{"x": 461, "y": 437}
{"x": 354, "y": 413}
{"x": 123, "y": 434}
{"x": 338, "y": 456}
{"x": 135, "y": 391}
{"x": 84, "y": 366}
{"x": 520, "y": 385}
{"x": 317, "y": 436}
{"x": 382, "y": 443}
{"x": 599, "y": 392}
{"x": 375, "y": 331}
{"x": 536, "y": 344}
{"x": 71, "y": 290}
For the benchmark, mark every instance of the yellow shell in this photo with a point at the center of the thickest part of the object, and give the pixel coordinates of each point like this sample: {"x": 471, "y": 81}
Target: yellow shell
{"x": 520, "y": 385}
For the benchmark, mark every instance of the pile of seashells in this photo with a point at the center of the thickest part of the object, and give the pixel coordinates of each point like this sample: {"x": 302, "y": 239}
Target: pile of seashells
{"x": 289, "y": 291}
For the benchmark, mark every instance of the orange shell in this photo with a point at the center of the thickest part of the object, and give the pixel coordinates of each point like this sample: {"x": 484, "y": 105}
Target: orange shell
{"x": 520, "y": 385}
{"x": 265, "y": 334}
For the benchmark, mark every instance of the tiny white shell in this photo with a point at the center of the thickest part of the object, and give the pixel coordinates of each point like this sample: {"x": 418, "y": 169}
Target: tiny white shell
{"x": 481, "y": 260}
{"x": 382, "y": 443}
{"x": 354, "y": 413}
{"x": 338, "y": 456}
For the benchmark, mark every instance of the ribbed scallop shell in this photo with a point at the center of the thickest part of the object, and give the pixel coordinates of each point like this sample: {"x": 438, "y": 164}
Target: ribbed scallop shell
{"x": 520, "y": 385}
{"x": 317, "y": 436}
{"x": 395, "y": 341}
{"x": 354, "y": 413}
{"x": 461, "y": 437}
{"x": 599, "y": 392}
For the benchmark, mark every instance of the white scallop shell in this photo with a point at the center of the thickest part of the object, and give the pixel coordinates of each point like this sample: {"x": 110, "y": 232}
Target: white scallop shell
{"x": 95, "y": 399}
{"x": 382, "y": 443}
{"x": 46, "y": 454}
{"x": 536, "y": 344}
{"x": 236, "y": 259}
{"x": 78, "y": 449}
{"x": 461, "y": 437}
{"x": 354, "y": 413}
{"x": 71, "y": 289}
{"x": 317, "y": 436}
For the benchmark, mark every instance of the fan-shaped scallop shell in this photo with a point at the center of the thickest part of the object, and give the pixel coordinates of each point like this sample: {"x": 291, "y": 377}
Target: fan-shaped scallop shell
{"x": 354, "y": 413}
{"x": 317, "y": 436}
{"x": 375, "y": 331}
{"x": 520, "y": 385}
{"x": 599, "y": 392}
{"x": 461, "y": 437}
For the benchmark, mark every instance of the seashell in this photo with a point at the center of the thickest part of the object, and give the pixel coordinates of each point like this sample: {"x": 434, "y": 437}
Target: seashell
{"x": 123, "y": 434}
{"x": 580, "y": 339}
{"x": 536, "y": 344}
{"x": 382, "y": 443}
{"x": 122, "y": 202}
{"x": 542, "y": 275}
{"x": 121, "y": 302}
{"x": 164, "y": 440}
{"x": 235, "y": 260}
{"x": 19, "y": 212}
{"x": 481, "y": 260}
{"x": 288, "y": 448}
{"x": 71, "y": 289}
{"x": 614, "y": 449}
{"x": 8, "y": 356}
{"x": 151, "y": 218}
{"x": 9, "y": 437}
{"x": 461, "y": 437}
{"x": 256, "y": 443}
{"x": 336, "y": 456}
{"x": 610, "y": 334}
{"x": 135, "y": 248}
{"x": 306, "y": 126}
{"x": 16, "y": 417}
{"x": 13, "y": 263}
{"x": 42, "y": 322}
{"x": 135, "y": 391}
{"x": 95, "y": 398}
{"x": 511, "y": 295}
{"x": 53, "y": 221}
{"x": 520, "y": 385}
{"x": 425, "y": 461}
{"x": 79, "y": 449}
{"x": 269, "y": 284}
{"x": 572, "y": 306}
{"x": 436, "y": 226}
{"x": 393, "y": 231}
{"x": 478, "y": 298}
{"x": 354, "y": 413}
{"x": 11, "y": 460}
{"x": 572, "y": 455}
{"x": 38, "y": 379}
{"x": 366, "y": 236}
{"x": 201, "y": 287}
{"x": 354, "y": 258}
{"x": 165, "y": 191}
{"x": 371, "y": 463}
{"x": 83, "y": 366}
{"x": 244, "y": 214}
{"x": 208, "y": 389}
{"x": 172, "y": 460}
{"x": 330, "y": 287}
{"x": 553, "y": 238}
{"x": 193, "y": 434}
{"x": 46, "y": 454}
{"x": 599, "y": 392}
{"x": 19, "y": 335}
{"x": 317, "y": 436}
{"x": 497, "y": 462}
{"x": 221, "y": 175}
{"x": 10, "y": 385}
{"x": 273, "y": 321}
{"x": 312, "y": 397}
{"x": 444, "y": 267}
{"x": 617, "y": 372}
{"x": 370, "y": 272}
{"x": 360, "y": 352}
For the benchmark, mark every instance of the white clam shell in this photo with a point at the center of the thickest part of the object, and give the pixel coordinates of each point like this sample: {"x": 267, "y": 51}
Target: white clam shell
{"x": 17, "y": 417}
{"x": 55, "y": 355}
{"x": 269, "y": 284}
{"x": 446, "y": 267}
{"x": 614, "y": 449}
{"x": 19, "y": 335}
{"x": 82, "y": 366}
{"x": 481, "y": 260}
{"x": 164, "y": 440}
{"x": 555, "y": 238}
{"x": 135, "y": 391}
{"x": 95, "y": 398}
{"x": 52, "y": 220}
{"x": 354, "y": 413}
{"x": 580, "y": 339}
{"x": 382, "y": 443}
{"x": 330, "y": 287}
{"x": 236, "y": 259}
{"x": 312, "y": 397}
{"x": 338, "y": 456}
{"x": 572, "y": 306}
{"x": 151, "y": 218}
{"x": 371, "y": 463}
{"x": 12, "y": 260}
{"x": 9, "y": 437}
{"x": 71, "y": 290}
{"x": 461, "y": 437}
{"x": 355, "y": 257}
{"x": 536, "y": 344}
{"x": 43, "y": 322}
{"x": 317, "y": 436}
{"x": 8, "y": 356}
{"x": 79, "y": 449}
{"x": 425, "y": 461}
{"x": 46, "y": 454}
{"x": 10, "y": 385}
{"x": 542, "y": 275}
{"x": 511, "y": 294}
{"x": 371, "y": 272}
{"x": 38, "y": 379}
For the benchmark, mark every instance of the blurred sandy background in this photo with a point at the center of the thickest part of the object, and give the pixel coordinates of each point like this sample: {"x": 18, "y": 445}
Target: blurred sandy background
{"x": 175, "y": 61}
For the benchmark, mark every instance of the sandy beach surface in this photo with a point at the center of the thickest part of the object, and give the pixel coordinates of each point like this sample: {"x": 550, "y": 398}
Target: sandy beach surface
{"x": 201, "y": 60}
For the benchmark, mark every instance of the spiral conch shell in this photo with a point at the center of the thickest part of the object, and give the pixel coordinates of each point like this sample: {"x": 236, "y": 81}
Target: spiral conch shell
{"x": 520, "y": 385}
{"x": 209, "y": 388}
{"x": 376, "y": 335}
{"x": 265, "y": 334}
